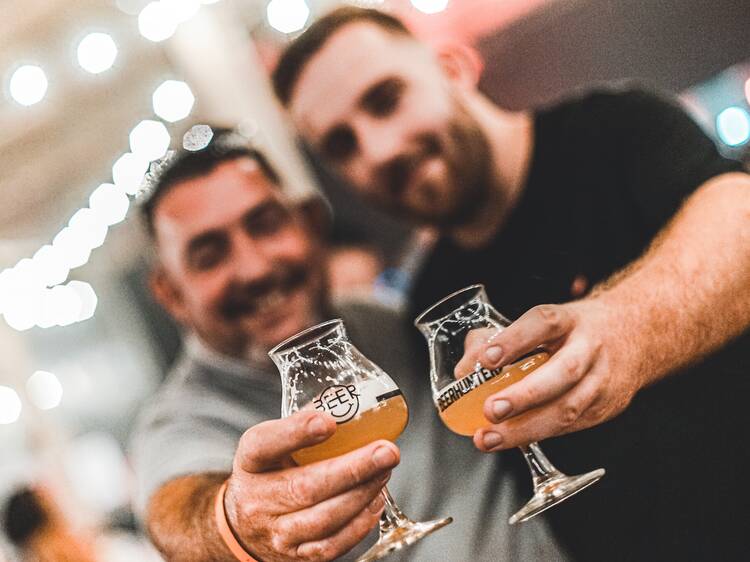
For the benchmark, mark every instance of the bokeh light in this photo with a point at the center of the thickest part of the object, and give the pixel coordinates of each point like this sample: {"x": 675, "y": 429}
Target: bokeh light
{"x": 44, "y": 390}
{"x": 51, "y": 265}
{"x": 87, "y": 297}
{"x": 155, "y": 22}
{"x": 747, "y": 90}
{"x": 149, "y": 139}
{"x": 10, "y": 405}
{"x": 66, "y": 305}
{"x": 97, "y": 52}
{"x": 197, "y": 138}
{"x": 28, "y": 84}
{"x": 287, "y": 16}
{"x": 109, "y": 203}
{"x": 733, "y": 126}
{"x": 90, "y": 228}
{"x": 70, "y": 247}
{"x": 173, "y": 100}
{"x": 128, "y": 172}
{"x": 430, "y": 6}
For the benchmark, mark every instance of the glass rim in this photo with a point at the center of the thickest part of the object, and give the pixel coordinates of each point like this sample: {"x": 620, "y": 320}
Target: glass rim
{"x": 421, "y": 319}
{"x": 305, "y": 335}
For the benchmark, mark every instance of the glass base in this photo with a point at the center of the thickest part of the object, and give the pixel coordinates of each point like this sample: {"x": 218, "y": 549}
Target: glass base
{"x": 408, "y": 532}
{"x": 553, "y": 491}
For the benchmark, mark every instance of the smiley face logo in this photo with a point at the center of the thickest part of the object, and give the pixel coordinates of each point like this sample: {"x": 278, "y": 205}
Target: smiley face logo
{"x": 341, "y": 401}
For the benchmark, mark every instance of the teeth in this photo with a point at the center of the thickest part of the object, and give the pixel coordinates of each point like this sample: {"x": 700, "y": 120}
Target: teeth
{"x": 272, "y": 299}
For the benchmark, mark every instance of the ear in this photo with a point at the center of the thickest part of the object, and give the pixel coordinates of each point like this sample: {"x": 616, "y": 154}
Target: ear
{"x": 460, "y": 62}
{"x": 317, "y": 216}
{"x": 167, "y": 294}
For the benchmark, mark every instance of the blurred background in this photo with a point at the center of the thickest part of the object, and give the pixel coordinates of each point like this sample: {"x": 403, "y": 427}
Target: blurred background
{"x": 96, "y": 91}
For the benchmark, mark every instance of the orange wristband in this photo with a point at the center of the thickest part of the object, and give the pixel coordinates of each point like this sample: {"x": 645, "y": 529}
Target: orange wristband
{"x": 225, "y": 531}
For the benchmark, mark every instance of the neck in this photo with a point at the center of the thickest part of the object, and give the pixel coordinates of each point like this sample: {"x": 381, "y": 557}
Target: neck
{"x": 510, "y": 136}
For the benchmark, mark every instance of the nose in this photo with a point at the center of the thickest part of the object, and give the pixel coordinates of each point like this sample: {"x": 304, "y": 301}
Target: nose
{"x": 251, "y": 261}
{"x": 380, "y": 142}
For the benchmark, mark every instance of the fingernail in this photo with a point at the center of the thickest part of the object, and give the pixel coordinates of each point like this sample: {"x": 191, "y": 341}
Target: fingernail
{"x": 385, "y": 477}
{"x": 494, "y": 353}
{"x": 376, "y": 504}
{"x": 384, "y": 456}
{"x": 500, "y": 409}
{"x": 316, "y": 427}
{"x": 492, "y": 439}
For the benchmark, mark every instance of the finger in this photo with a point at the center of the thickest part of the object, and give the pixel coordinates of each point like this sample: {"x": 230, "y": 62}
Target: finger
{"x": 266, "y": 445}
{"x": 543, "y": 325}
{"x": 564, "y": 415}
{"x": 305, "y": 486}
{"x": 328, "y": 517}
{"x": 474, "y": 344}
{"x": 546, "y": 383}
{"x": 343, "y": 540}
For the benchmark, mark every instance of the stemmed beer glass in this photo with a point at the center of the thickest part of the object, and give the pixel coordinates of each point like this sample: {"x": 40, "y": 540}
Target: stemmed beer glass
{"x": 320, "y": 368}
{"x": 460, "y": 401}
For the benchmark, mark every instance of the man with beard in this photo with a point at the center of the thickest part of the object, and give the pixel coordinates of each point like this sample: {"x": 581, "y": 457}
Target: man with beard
{"x": 616, "y": 190}
{"x": 241, "y": 268}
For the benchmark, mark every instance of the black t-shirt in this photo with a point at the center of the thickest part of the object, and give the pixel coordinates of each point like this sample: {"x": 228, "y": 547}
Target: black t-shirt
{"x": 608, "y": 171}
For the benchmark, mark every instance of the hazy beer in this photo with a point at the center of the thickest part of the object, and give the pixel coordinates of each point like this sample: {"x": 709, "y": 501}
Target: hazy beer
{"x": 461, "y": 404}
{"x": 385, "y": 420}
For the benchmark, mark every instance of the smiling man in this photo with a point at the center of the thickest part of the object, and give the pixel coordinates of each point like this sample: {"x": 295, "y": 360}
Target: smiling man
{"x": 241, "y": 268}
{"x": 615, "y": 198}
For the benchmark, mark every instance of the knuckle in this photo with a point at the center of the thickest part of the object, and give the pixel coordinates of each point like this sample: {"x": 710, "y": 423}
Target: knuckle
{"x": 571, "y": 367}
{"x": 298, "y": 490}
{"x": 278, "y": 543}
{"x": 569, "y": 414}
{"x": 550, "y": 315}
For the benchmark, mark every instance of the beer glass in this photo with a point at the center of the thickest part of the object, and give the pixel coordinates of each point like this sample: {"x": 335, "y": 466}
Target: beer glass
{"x": 460, "y": 401}
{"x": 320, "y": 368}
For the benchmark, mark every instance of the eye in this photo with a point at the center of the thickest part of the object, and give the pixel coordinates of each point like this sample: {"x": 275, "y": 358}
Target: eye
{"x": 383, "y": 99}
{"x": 207, "y": 254}
{"x": 339, "y": 144}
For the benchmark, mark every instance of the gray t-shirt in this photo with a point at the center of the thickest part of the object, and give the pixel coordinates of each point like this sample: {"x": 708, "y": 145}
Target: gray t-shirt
{"x": 196, "y": 420}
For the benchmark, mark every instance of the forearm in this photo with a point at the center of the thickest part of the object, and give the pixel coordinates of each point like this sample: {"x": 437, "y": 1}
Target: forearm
{"x": 690, "y": 292}
{"x": 181, "y": 520}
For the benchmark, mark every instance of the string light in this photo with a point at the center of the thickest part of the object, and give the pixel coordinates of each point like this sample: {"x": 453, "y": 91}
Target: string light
{"x": 24, "y": 299}
{"x": 173, "y": 100}
{"x": 44, "y": 390}
{"x": 733, "y": 126}
{"x": 97, "y": 53}
{"x": 430, "y": 6}
{"x": 10, "y": 405}
{"x": 28, "y": 84}
{"x": 287, "y": 16}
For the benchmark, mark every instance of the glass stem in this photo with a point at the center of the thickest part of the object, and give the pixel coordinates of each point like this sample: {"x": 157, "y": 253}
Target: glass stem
{"x": 541, "y": 468}
{"x": 392, "y": 517}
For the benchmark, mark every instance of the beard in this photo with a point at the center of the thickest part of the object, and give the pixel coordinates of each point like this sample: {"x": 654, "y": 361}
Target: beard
{"x": 456, "y": 198}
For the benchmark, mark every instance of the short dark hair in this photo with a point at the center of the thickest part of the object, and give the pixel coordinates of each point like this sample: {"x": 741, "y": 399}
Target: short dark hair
{"x": 23, "y": 516}
{"x": 225, "y": 145}
{"x": 301, "y": 50}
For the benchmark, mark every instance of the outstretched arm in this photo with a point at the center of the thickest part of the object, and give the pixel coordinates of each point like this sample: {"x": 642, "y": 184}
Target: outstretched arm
{"x": 276, "y": 510}
{"x": 688, "y": 295}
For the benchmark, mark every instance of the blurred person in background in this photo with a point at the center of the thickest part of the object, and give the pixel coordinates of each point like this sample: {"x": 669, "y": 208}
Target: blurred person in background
{"x": 241, "y": 268}
{"x": 40, "y": 533}
{"x": 353, "y": 270}
{"x": 618, "y": 190}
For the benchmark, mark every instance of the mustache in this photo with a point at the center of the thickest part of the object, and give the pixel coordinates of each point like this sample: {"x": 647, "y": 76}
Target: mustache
{"x": 244, "y": 299}
{"x": 394, "y": 175}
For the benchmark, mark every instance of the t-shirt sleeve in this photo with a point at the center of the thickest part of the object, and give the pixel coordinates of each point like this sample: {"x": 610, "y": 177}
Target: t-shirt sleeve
{"x": 169, "y": 443}
{"x": 657, "y": 150}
